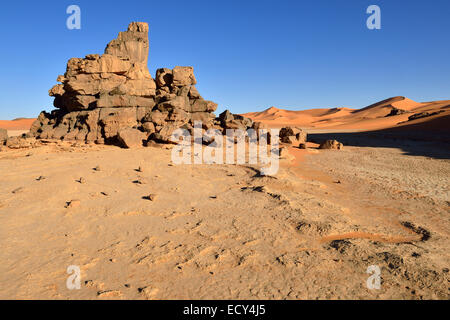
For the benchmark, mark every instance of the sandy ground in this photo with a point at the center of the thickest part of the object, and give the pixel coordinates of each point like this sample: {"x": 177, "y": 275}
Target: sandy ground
{"x": 223, "y": 231}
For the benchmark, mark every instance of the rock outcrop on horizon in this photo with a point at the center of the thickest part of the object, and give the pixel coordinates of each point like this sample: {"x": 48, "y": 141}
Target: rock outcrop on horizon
{"x": 102, "y": 95}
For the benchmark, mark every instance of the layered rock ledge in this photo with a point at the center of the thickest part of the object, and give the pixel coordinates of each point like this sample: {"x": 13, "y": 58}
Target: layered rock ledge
{"x": 100, "y": 95}
{"x": 113, "y": 99}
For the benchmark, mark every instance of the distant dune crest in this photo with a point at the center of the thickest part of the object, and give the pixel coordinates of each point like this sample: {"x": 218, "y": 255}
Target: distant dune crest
{"x": 389, "y": 113}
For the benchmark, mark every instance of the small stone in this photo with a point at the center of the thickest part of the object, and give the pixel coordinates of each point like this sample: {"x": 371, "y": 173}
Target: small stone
{"x": 82, "y": 180}
{"x": 151, "y": 197}
{"x": 148, "y": 292}
{"x": 18, "y": 190}
{"x": 109, "y": 294}
{"x": 302, "y": 146}
{"x": 140, "y": 181}
{"x": 73, "y": 204}
{"x": 40, "y": 178}
{"x": 97, "y": 168}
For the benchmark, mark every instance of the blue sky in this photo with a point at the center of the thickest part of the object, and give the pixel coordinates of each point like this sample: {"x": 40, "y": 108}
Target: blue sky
{"x": 248, "y": 55}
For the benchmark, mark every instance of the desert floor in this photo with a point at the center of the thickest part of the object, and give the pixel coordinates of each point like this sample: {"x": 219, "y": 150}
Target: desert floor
{"x": 223, "y": 231}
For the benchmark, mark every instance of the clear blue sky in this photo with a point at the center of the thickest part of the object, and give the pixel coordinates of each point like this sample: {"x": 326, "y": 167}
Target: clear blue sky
{"x": 248, "y": 55}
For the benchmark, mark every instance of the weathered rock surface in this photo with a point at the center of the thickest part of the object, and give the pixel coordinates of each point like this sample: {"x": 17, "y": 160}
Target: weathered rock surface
{"x": 293, "y": 135}
{"x": 102, "y": 95}
{"x": 396, "y": 112}
{"x": 234, "y": 121}
{"x": 21, "y": 143}
{"x": 130, "y": 138}
{"x": 3, "y": 136}
{"x": 425, "y": 114}
{"x": 331, "y": 144}
{"x": 113, "y": 99}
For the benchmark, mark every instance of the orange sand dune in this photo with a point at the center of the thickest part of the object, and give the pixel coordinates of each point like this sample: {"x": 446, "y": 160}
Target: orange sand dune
{"x": 16, "y": 124}
{"x": 373, "y": 117}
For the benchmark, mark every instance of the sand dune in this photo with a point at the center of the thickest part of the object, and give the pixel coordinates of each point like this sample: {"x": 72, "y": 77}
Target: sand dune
{"x": 373, "y": 117}
{"x": 17, "y": 124}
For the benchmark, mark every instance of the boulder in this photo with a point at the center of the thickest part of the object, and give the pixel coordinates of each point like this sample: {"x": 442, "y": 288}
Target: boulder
{"x": 183, "y": 76}
{"x": 20, "y": 143}
{"x": 331, "y": 144}
{"x": 206, "y": 118}
{"x": 425, "y": 114}
{"x": 234, "y": 121}
{"x": 292, "y": 135}
{"x": 200, "y": 105}
{"x": 131, "y": 138}
{"x": 226, "y": 116}
{"x": 395, "y": 112}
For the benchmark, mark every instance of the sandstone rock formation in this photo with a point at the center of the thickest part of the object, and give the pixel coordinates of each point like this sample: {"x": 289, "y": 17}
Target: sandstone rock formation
{"x": 234, "y": 121}
{"x": 129, "y": 137}
{"x": 331, "y": 144}
{"x": 3, "y": 136}
{"x": 101, "y": 97}
{"x": 425, "y": 114}
{"x": 396, "y": 111}
{"x": 113, "y": 99}
{"x": 21, "y": 142}
{"x": 292, "y": 135}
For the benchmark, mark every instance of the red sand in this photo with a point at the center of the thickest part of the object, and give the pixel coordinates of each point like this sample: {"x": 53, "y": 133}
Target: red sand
{"x": 370, "y": 118}
{"x": 17, "y": 124}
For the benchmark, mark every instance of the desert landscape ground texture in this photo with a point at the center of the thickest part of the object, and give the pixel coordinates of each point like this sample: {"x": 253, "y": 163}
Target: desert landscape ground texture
{"x": 141, "y": 227}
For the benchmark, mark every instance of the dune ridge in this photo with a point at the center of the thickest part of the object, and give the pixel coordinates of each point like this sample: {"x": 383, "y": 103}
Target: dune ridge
{"x": 389, "y": 113}
{"x": 17, "y": 124}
